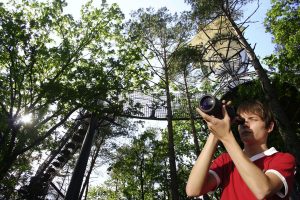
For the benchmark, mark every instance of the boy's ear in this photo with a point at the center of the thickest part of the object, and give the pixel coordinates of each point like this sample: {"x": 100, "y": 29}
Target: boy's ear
{"x": 271, "y": 127}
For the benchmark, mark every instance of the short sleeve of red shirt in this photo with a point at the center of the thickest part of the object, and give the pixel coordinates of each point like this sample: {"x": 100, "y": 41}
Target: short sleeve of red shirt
{"x": 220, "y": 168}
{"x": 283, "y": 165}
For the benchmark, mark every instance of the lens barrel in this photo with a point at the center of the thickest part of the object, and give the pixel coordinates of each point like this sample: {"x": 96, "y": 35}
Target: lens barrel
{"x": 211, "y": 106}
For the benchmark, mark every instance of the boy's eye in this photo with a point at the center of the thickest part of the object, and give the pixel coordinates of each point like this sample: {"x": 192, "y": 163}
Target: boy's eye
{"x": 253, "y": 118}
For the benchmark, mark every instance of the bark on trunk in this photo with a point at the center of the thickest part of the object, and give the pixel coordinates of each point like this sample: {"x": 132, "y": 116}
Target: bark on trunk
{"x": 192, "y": 120}
{"x": 171, "y": 150}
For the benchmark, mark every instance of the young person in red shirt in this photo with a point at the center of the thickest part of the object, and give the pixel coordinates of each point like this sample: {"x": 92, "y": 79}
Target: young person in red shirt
{"x": 255, "y": 172}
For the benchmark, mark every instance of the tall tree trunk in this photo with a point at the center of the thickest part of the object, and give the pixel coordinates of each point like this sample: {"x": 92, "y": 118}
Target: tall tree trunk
{"x": 192, "y": 120}
{"x": 9, "y": 154}
{"x": 171, "y": 150}
{"x": 142, "y": 176}
{"x": 288, "y": 135}
{"x": 80, "y": 167}
{"x": 92, "y": 165}
{"x": 7, "y": 163}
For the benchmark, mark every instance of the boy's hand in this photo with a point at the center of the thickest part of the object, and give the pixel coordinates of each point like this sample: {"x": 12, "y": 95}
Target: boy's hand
{"x": 219, "y": 127}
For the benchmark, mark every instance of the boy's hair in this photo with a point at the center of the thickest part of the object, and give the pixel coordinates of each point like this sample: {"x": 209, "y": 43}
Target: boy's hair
{"x": 258, "y": 108}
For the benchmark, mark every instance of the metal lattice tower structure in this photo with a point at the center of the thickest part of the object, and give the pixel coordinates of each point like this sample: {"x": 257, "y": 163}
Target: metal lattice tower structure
{"x": 225, "y": 58}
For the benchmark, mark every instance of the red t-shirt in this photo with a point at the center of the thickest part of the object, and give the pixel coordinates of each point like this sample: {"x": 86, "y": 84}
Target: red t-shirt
{"x": 270, "y": 161}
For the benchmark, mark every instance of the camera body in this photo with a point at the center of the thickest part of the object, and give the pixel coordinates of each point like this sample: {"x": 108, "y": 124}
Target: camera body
{"x": 210, "y": 105}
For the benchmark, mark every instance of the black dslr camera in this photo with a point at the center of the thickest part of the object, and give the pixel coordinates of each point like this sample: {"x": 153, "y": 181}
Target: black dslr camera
{"x": 212, "y": 106}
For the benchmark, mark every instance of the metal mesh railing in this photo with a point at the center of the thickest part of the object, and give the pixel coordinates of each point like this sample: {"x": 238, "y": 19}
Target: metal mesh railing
{"x": 154, "y": 106}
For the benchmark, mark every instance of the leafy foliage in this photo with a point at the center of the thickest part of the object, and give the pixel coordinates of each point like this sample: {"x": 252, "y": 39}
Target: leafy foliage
{"x": 282, "y": 22}
{"x": 204, "y": 10}
{"x": 138, "y": 170}
{"x": 50, "y": 66}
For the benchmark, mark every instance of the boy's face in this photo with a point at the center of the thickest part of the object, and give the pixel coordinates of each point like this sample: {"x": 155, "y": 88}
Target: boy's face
{"x": 254, "y": 130}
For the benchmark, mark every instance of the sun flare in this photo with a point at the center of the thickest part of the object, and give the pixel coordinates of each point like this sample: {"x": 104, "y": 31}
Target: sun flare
{"x": 26, "y": 119}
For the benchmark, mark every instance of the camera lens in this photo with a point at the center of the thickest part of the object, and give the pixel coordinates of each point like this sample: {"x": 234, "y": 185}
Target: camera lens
{"x": 211, "y": 106}
{"x": 207, "y": 103}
